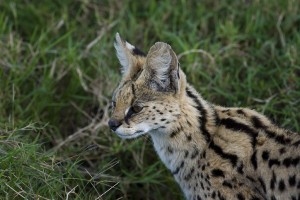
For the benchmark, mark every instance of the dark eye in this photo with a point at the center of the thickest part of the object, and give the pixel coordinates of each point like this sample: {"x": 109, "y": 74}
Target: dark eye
{"x": 133, "y": 110}
{"x": 137, "y": 108}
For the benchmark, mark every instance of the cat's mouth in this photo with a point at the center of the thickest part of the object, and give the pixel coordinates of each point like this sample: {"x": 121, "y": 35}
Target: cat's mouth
{"x": 133, "y": 135}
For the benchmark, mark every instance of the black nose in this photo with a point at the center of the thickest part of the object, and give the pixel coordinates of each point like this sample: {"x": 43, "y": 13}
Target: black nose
{"x": 114, "y": 124}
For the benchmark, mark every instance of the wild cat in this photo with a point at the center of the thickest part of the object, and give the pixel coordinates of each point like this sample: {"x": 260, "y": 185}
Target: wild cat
{"x": 213, "y": 152}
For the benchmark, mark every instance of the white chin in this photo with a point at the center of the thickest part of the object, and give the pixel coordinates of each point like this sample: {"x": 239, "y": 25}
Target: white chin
{"x": 129, "y": 136}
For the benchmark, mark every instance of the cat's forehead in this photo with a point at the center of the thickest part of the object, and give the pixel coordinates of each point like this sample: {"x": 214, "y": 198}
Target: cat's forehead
{"x": 131, "y": 91}
{"x": 125, "y": 90}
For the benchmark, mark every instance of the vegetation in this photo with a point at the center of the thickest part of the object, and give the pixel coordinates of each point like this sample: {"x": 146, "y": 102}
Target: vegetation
{"x": 58, "y": 70}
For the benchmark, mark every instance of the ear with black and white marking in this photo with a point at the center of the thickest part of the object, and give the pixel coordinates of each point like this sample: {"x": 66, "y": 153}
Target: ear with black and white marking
{"x": 123, "y": 51}
{"x": 162, "y": 66}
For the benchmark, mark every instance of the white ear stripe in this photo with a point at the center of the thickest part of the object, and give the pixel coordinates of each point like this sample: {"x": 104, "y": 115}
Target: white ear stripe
{"x": 129, "y": 46}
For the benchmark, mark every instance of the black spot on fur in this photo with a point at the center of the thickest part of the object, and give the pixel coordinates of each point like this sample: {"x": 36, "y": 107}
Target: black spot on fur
{"x": 186, "y": 153}
{"x": 282, "y": 139}
{"x": 273, "y": 181}
{"x": 240, "y": 111}
{"x": 240, "y": 168}
{"x": 189, "y": 138}
{"x": 174, "y": 133}
{"x": 220, "y": 196}
{"x": 240, "y": 196}
{"x": 282, "y": 150}
{"x": 202, "y": 186}
{"x": 265, "y": 155}
{"x": 170, "y": 150}
{"x": 292, "y": 180}
{"x": 273, "y": 197}
{"x": 217, "y": 173}
{"x": 298, "y": 185}
{"x": 189, "y": 175}
{"x": 287, "y": 162}
{"x": 188, "y": 122}
{"x": 213, "y": 195}
{"x": 195, "y": 153}
{"x": 273, "y": 162}
{"x": 227, "y": 184}
{"x": 250, "y": 178}
{"x": 178, "y": 168}
{"x": 204, "y": 155}
{"x": 254, "y": 160}
{"x": 281, "y": 186}
{"x": 295, "y": 161}
{"x": 297, "y": 143}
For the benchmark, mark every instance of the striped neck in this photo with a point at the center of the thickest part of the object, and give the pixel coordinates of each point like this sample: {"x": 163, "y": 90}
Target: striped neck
{"x": 192, "y": 132}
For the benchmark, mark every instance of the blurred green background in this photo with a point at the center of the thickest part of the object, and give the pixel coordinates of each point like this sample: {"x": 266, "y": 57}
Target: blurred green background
{"x": 58, "y": 69}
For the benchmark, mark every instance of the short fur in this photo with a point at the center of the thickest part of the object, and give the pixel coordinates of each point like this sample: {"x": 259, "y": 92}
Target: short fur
{"x": 213, "y": 152}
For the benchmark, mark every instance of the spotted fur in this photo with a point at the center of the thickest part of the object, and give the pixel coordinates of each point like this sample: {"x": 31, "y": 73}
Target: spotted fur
{"x": 213, "y": 152}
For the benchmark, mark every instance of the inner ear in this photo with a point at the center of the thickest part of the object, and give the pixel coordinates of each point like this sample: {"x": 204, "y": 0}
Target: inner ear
{"x": 162, "y": 67}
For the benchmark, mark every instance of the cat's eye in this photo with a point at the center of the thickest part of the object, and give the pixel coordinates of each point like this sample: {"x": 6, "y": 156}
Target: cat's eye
{"x": 133, "y": 110}
{"x": 113, "y": 104}
{"x": 137, "y": 108}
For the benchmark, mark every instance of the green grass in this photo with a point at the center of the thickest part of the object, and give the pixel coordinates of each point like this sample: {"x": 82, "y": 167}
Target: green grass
{"x": 58, "y": 70}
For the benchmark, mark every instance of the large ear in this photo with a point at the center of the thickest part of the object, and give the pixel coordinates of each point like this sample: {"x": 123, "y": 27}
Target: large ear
{"x": 162, "y": 67}
{"x": 123, "y": 51}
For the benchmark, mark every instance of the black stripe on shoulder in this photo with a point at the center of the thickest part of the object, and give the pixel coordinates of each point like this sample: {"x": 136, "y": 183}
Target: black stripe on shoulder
{"x": 138, "y": 52}
{"x": 228, "y": 156}
{"x": 231, "y": 124}
{"x": 257, "y": 123}
{"x": 281, "y": 139}
{"x": 201, "y": 119}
